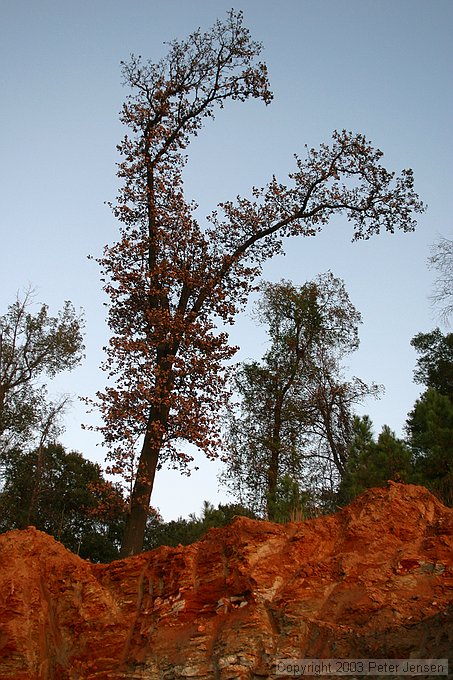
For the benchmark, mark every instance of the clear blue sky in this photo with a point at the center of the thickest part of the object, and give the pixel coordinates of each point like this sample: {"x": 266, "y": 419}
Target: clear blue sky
{"x": 381, "y": 67}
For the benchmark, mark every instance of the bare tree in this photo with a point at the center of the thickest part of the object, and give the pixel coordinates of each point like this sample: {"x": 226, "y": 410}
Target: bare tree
{"x": 441, "y": 259}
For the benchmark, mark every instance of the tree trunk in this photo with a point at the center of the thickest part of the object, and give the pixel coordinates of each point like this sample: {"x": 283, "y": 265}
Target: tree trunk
{"x": 2, "y": 405}
{"x": 274, "y": 463}
{"x": 272, "y": 477}
{"x": 134, "y": 532}
{"x": 36, "y": 486}
{"x": 40, "y": 459}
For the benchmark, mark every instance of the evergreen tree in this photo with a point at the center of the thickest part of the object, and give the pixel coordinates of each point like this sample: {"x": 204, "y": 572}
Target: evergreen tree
{"x": 430, "y": 423}
{"x": 430, "y": 430}
{"x": 185, "y": 531}
{"x": 66, "y": 496}
{"x": 435, "y": 363}
{"x": 372, "y": 463}
{"x": 290, "y": 503}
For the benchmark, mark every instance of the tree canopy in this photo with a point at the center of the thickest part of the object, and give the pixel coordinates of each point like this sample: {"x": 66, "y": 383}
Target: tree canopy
{"x": 435, "y": 362}
{"x": 65, "y": 495}
{"x": 373, "y": 462}
{"x": 34, "y": 346}
{"x": 295, "y": 410}
{"x": 430, "y": 423}
{"x": 173, "y": 283}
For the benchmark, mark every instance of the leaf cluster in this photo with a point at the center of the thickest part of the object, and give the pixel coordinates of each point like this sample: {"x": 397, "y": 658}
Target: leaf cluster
{"x": 64, "y": 495}
{"x": 33, "y": 346}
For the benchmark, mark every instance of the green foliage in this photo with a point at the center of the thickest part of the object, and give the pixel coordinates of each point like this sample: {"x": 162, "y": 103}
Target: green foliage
{"x": 430, "y": 430}
{"x": 290, "y": 503}
{"x": 175, "y": 532}
{"x": 435, "y": 363}
{"x": 430, "y": 423}
{"x": 186, "y": 531}
{"x": 64, "y": 495}
{"x": 372, "y": 463}
{"x": 295, "y": 411}
{"x": 33, "y": 346}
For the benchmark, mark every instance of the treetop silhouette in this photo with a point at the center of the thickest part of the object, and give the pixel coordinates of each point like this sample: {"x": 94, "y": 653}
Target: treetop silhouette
{"x": 173, "y": 283}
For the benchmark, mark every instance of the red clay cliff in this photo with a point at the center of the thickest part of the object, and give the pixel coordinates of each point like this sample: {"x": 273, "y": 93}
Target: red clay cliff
{"x": 372, "y": 581}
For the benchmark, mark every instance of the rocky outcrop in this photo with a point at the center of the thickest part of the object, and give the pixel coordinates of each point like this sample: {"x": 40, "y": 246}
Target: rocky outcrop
{"x": 374, "y": 580}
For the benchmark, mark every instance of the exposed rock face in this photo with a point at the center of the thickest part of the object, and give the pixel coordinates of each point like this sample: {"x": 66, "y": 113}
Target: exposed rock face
{"x": 375, "y": 580}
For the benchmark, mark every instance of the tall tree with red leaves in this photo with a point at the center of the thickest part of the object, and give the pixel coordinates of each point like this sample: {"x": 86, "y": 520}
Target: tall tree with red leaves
{"x": 173, "y": 282}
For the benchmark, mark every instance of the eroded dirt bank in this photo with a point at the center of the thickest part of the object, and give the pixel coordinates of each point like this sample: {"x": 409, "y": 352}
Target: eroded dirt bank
{"x": 375, "y": 580}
